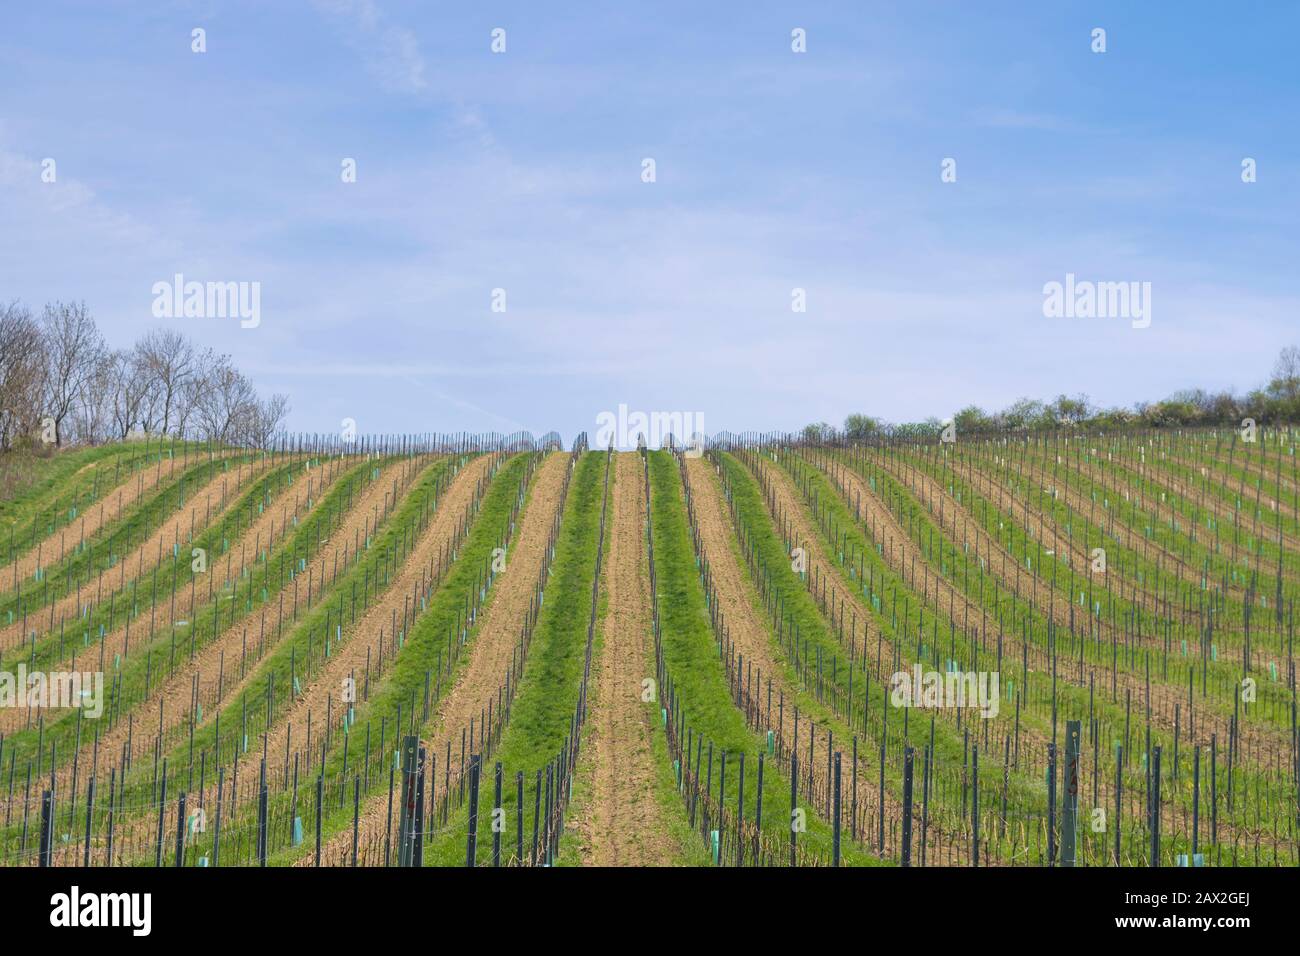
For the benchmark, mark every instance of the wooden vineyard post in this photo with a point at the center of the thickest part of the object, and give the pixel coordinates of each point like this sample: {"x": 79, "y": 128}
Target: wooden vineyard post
{"x": 471, "y": 841}
{"x": 925, "y": 799}
{"x": 180, "y": 831}
{"x": 908, "y": 761}
{"x": 740, "y": 816}
{"x": 853, "y": 808}
{"x": 356, "y": 817}
{"x": 537, "y": 810}
{"x": 1119, "y": 796}
{"x": 263, "y": 798}
{"x": 216, "y": 836}
{"x": 881, "y": 805}
{"x": 835, "y": 846}
{"x": 794, "y": 803}
{"x": 1153, "y": 810}
{"x": 162, "y": 807}
{"x": 519, "y": 817}
{"x": 417, "y": 848}
{"x": 496, "y": 818}
{"x": 90, "y": 809}
{"x": 406, "y": 809}
{"x": 112, "y": 796}
{"x": 47, "y": 822}
{"x": 1051, "y": 804}
{"x": 320, "y": 809}
{"x": 388, "y": 826}
{"x": 1196, "y": 798}
{"x": 1070, "y": 794}
{"x": 1214, "y": 793}
{"x": 975, "y": 806}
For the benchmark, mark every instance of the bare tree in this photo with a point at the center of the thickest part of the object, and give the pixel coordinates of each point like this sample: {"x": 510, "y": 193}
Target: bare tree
{"x": 224, "y": 401}
{"x": 192, "y": 390}
{"x": 92, "y": 414}
{"x": 72, "y": 351}
{"x": 170, "y": 362}
{"x": 268, "y": 415}
{"x": 129, "y": 392}
{"x": 22, "y": 373}
{"x": 58, "y": 368}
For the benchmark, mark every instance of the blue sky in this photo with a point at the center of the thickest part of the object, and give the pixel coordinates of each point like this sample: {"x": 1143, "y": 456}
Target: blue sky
{"x": 775, "y": 170}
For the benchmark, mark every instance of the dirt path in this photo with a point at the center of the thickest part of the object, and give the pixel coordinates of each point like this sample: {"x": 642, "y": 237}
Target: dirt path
{"x": 622, "y": 823}
{"x": 748, "y": 630}
{"x": 214, "y": 664}
{"x": 111, "y": 506}
{"x": 175, "y": 691}
{"x": 1216, "y": 468}
{"x": 206, "y": 505}
{"x": 1283, "y": 483}
{"x": 943, "y": 595}
{"x": 790, "y": 506}
{"x": 953, "y": 519}
{"x": 1162, "y": 480}
{"x": 1000, "y": 488}
{"x": 491, "y": 650}
{"x": 349, "y": 657}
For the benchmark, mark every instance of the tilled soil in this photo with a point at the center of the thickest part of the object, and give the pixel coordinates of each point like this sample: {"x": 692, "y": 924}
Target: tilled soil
{"x": 350, "y": 657}
{"x": 491, "y": 649}
{"x": 207, "y": 504}
{"x": 622, "y": 823}
{"x": 175, "y": 691}
{"x": 106, "y": 510}
{"x": 362, "y": 518}
{"x": 1163, "y": 696}
{"x": 754, "y": 641}
{"x": 987, "y": 483}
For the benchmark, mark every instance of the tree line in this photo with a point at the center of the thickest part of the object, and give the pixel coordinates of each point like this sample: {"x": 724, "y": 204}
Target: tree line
{"x": 1277, "y": 401}
{"x": 62, "y": 383}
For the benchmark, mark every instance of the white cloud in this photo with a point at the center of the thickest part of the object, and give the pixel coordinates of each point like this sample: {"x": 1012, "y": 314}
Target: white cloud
{"x": 391, "y": 52}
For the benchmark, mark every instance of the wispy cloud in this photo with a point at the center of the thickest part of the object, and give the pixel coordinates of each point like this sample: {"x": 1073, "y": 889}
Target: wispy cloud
{"x": 775, "y": 171}
{"x": 391, "y": 52}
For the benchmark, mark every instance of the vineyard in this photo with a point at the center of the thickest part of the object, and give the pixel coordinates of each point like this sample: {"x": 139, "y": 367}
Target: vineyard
{"x": 1052, "y": 649}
